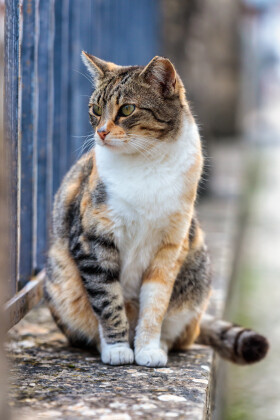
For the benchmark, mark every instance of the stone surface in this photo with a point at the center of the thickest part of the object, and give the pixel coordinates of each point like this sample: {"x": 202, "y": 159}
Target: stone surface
{"x": 51, "y": 380}
{"x": 48, "y": 375}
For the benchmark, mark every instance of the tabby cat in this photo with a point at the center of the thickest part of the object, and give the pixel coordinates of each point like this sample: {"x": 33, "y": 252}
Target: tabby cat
{"x": 128, "y": 269}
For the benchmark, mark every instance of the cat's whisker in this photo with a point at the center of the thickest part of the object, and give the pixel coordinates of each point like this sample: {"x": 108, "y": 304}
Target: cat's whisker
{"x": 87, "y": 135}
{"x": 87, "y": 144}
{"x": 90, "y": 80}
{"x": 143, "y": 140}
{"x": 144, "y": 151}
{"x": 134, "y": 146}
{"x": 141, "y": 148}
{"x": 150, "y": 150}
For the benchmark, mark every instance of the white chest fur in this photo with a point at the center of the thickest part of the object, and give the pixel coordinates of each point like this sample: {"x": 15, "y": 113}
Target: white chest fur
{"x": 142, "y": 194}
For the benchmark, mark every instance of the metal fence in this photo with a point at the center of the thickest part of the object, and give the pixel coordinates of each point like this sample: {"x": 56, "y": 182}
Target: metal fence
{"x": 46, "y": 95}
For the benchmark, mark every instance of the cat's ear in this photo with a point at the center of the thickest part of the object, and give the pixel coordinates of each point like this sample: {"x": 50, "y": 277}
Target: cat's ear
{"x": 96, "y": 66}
{"x": 160, "y": 71}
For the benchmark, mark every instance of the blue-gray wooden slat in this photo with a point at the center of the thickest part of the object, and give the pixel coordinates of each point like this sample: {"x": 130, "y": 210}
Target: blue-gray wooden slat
{"x": 44, "y": 127}
{"x": 28, "y": 133}
{"x": 107, "y": 41}
{"x": 50, "y": 104}
{"x": 35, "y": 137}
{"x": 61, "y": 92}
{"x": 96, "y": 32}
{"x": 80, "y": 39}
{"x": 129, "y": 32}
{"x": 11, "y": 125}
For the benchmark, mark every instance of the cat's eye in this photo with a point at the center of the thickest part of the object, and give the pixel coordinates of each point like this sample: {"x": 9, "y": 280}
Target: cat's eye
{"x": 96, "y": 110}
{"x": 126, "y": 110}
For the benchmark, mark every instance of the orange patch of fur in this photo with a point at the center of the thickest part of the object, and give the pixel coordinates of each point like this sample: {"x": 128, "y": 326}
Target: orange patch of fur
{"x": 69, "y": 297}
{"x": 169, "y": 257}
{"x": 94, "y": 175}
{"x": 198, "y": 239}
{"x": 72, "y": 191}
{"x": 192, "y": 330}
{"x": 85, "y": 203}
{"x": 112, "y": 66}
{"x": 189, "y": 335}
{"x": 102, "y": 216}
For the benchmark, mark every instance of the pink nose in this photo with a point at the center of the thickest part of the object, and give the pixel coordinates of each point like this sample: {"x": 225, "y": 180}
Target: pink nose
{"x": 102, "y": 133}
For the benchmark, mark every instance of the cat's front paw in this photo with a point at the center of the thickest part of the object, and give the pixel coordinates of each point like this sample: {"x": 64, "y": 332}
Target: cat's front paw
{"x": 151, "y": 357}
{"x": 117, "y": 354}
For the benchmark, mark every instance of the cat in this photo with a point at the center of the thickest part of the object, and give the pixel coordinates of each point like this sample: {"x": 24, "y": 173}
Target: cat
{"x": 128, "y": 270}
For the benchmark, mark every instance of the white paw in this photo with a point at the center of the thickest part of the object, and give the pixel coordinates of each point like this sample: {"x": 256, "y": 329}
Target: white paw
{"x": 151, "y": 357}
{"x": 117, "y": 354}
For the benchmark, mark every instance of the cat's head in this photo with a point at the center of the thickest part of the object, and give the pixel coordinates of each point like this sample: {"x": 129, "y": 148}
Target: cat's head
{"x": 133, "y": 109}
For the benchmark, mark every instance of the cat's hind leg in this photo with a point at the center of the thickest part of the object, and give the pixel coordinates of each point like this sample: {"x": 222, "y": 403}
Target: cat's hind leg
{"x": 180, "y": 329}
{"x": 67, "y": 299}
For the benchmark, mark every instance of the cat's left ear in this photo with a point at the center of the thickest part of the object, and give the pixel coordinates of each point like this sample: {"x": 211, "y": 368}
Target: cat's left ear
{"x": 160, "y": 71}
{"x": 96, "y": 66}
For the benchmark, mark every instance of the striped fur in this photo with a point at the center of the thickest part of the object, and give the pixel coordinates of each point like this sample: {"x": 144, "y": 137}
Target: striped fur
{"x": 232, "y": 342}
{"x": 128, "y": 269}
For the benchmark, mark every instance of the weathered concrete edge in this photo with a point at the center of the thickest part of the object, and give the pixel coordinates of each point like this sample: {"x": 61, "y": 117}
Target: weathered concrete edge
{"x": 211, "y": 389}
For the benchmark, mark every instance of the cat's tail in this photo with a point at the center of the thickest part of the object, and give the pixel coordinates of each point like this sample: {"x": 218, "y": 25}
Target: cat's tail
{"x": 232, "y": 342}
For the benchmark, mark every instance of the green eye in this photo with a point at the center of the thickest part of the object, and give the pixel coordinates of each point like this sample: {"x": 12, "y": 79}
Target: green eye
{"x": 96, "y": 110}
{"x": 126, "y": 110}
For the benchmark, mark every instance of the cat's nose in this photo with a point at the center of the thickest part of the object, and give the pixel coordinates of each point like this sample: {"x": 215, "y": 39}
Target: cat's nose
{"x": 102, "y": 133}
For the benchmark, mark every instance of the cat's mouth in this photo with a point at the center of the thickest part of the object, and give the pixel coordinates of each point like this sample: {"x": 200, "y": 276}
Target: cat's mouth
{"x": 111, "y": 142}
{"x": 125, "y": 145}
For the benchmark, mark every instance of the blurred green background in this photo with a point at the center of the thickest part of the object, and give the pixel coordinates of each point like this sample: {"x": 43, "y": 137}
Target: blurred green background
{"x": 228, "y": 54}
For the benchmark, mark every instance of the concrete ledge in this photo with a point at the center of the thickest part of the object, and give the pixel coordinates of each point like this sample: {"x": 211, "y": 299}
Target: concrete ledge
{"x": 55, "y": 381}
{"x": 51, "y": 380}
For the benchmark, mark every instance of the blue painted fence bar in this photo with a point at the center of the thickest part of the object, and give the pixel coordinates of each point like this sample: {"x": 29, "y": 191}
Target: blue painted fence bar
{"x": 46, "y": 96}
{"x": 11, "y": 126}
{"x": 28, "y": 130}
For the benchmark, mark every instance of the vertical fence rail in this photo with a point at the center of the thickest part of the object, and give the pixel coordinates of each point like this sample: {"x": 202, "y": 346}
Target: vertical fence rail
{"x": 28, "y": 134}
{"x": 46, "y": 92}
{"x": 43, "y": 87}
{"x": 4, "y": 231}
{"x": 50, "y": 119}
{"x": 12, "y": 14}
{"x": 61, "y": 91}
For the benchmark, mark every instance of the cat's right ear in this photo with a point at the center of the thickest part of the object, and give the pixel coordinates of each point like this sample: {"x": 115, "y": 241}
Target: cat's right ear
{"x": 95, "y": 66}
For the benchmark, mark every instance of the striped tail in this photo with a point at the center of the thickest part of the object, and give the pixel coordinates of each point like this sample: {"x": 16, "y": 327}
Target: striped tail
{"x": 232, "y": 342}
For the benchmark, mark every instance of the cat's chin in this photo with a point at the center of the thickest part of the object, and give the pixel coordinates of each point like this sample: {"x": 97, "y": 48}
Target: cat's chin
{"x": 110, "y": 146}
{"x": 119, "y": 148}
